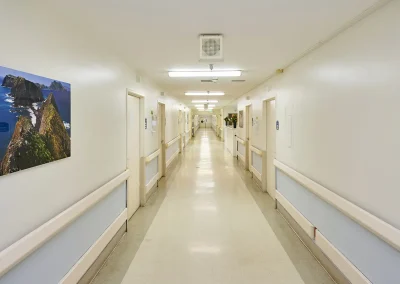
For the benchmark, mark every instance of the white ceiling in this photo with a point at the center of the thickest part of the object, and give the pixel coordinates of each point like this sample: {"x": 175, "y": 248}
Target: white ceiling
{"x": 260, "y": 36}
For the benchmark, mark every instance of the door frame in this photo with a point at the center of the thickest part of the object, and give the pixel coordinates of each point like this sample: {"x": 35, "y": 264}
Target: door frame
{"x": 130, "y": 92}
{"x": 181, "y": 119}
{"x": 162, "y": 121}
{"x": 249, "y": 126}
{"x": 264, "y": 176}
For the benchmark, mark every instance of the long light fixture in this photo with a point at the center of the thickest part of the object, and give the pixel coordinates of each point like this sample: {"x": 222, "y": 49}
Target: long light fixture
{"x": 204, "y": 93}
{"x": 202, "y": 109}
{"x": 175, "y": 74}
{"x": 204, "y": 101}
{"x": 201, "y": 106}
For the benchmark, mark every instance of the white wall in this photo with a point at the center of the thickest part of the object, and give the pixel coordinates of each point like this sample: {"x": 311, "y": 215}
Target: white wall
{"x": 343, "y": 99}
{"x": 172, "y": 107}
{"x": 39, "y": 41}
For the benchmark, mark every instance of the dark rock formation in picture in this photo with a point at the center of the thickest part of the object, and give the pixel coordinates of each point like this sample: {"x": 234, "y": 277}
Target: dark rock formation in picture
{"x": 56, "y": 86}
{"x": 41, "y": 86}
{"x": 52, "y": 127}
{"x": 35, "y": 145}
{"x": 25, "y": 92}
{"x": 8, "y": 81}
{"x": 27, "y": 148}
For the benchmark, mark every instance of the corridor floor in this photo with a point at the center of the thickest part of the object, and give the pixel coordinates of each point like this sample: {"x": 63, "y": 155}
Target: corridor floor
{"x": 208, "y": 223}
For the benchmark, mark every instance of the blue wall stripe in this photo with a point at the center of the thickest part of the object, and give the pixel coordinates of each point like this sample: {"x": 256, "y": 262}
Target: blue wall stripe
{"x": 257, "y": 162}
{"x": 50, "y": 263}
{"x": 376, "y": 259}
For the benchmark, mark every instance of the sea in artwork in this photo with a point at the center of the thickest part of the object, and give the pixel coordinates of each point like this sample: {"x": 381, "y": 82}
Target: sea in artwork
{"x": 27, "y": 100}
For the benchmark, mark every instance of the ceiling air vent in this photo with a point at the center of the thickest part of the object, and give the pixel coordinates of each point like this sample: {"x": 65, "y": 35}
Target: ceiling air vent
{"x": 211, "y": 48}
{"x": 210, "y": 80}
{"x": 238, "y": 81}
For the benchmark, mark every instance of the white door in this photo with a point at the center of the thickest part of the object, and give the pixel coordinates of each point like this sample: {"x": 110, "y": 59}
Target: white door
{"x": 133, "y": 152}
{"x": 271, "y": 134}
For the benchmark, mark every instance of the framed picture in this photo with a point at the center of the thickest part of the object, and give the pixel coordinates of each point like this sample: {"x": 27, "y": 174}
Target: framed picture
{"x": 35, "y": 120}
{"x": 241, "y": 118}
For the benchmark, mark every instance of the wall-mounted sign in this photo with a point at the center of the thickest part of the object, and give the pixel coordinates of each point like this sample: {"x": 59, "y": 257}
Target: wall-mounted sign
{"x": 145, "y": 123}
{"x": 277, "y": 125}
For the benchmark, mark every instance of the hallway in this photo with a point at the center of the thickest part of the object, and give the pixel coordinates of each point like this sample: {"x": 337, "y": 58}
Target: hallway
{"x": 208, "y": 228}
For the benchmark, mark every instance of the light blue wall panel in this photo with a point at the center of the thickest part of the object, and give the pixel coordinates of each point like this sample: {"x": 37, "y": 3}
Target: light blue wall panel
{"x": 257, "y": 162}
{"x": 151, "y": 169}
{"x": 377, "y": 260}
{"x": 50, "y": 263}
{"x": 172, "y": 150}
{"x": 241, "y": 149}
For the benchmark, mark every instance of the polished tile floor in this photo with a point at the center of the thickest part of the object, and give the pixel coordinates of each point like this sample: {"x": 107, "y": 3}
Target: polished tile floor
{"x": 209, "y": 223}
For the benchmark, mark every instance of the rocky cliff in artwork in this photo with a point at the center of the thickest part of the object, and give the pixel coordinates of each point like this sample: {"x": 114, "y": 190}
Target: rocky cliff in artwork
{"x": 41, "y": 86}
{"x": 25, "y": 92}
{"x": 35, "y": 145}
{"x": 27, "y": 148}
{"x": 52, "y": 127}
{"x": 8, "y": 81}
{"x": 56, "y": 86}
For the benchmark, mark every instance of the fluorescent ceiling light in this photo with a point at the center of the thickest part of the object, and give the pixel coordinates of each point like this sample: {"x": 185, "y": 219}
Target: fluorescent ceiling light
{"x": 204, "y": 93}
{"x": 175, "y": 74}
{"x": 204, "y": 101}
{"x": 202, "y": 106}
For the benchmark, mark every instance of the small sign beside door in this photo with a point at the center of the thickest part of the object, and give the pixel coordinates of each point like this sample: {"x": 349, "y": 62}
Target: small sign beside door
{"x": 145, "y": 123}
{"x": 277, "y": 125}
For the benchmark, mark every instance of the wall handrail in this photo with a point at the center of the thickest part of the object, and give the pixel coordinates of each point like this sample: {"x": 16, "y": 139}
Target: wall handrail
{"x": 28, "y": 244}
{"x": 240, "y": 140}
{"x": 256, "y": 150}
{"x": 152, "y": 156}
{"x": 375, "y": 225}
{"x": 170, "y": 143}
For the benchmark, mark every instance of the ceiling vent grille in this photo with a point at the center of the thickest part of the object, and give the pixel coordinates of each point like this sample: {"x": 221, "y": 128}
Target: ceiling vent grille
{"x": 210, "y": 80}
{"x": 211, "y": 48}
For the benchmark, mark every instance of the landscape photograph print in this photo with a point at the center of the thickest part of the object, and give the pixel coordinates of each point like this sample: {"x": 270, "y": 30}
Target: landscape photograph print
{"x": 35, "y": 120}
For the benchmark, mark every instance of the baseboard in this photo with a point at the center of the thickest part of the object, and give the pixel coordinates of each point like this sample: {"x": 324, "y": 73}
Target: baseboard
{"x": 151, "y": 191}
{"x": 172, "y": 158}
{"x": 326, "y": 263}
{"x": 152, "y": 182}
{"x": 257, "y": 182}
{"x": 86, "y": 261}
{"x": 255, "y": 173}
{"x": 343, "y": 264}
{"x": 241, "y": 157}
{"x": 94, "y": 269}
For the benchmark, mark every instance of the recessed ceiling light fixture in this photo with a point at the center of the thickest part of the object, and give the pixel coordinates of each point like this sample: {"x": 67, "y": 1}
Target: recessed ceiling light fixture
{"x": 206, "y": 73}
{"x": 201, "y": 106}
{"x": 221, "y": 73}
{"x": 204, "y": 93}
{"x": 204, "y": 101}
